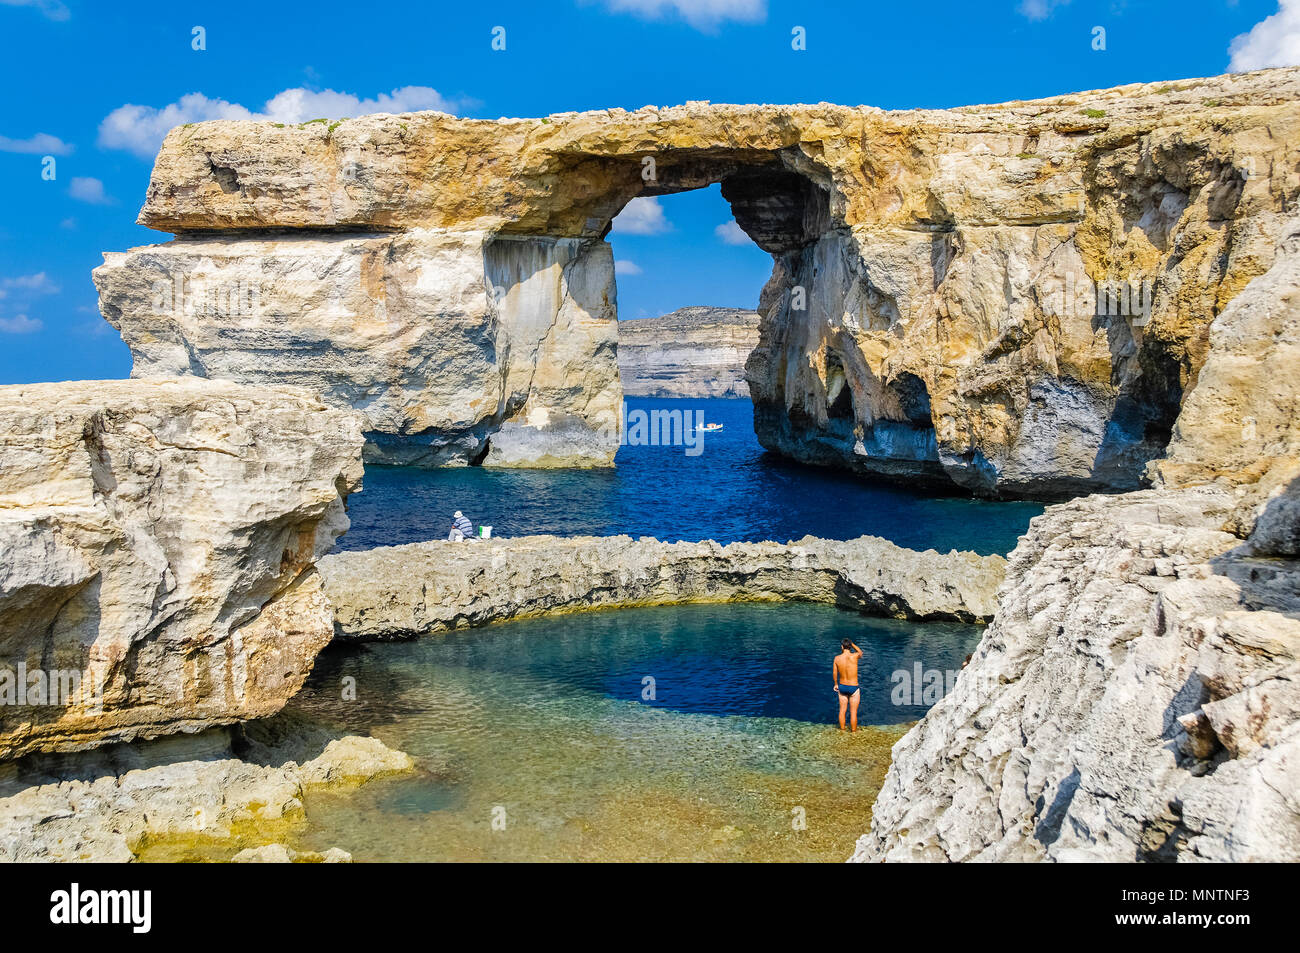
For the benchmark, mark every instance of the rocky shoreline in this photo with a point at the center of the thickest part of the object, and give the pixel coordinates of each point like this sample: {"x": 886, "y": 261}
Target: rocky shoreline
{"x": 1167, "y": 652}
{"x": 163, "y": 584}
{"x": 158, "y": 541}
{"x": 425, "y": 588}
{"x": 226, "y": 792}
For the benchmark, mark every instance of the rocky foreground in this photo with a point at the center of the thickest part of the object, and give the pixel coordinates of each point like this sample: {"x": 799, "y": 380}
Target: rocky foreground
{"x": 1137, "y": 696}
{"x": 227, "y": 793}
{"x": 158, "y": 541}
{"x": 423, "y": 588}
{"x": 693, "y": 352}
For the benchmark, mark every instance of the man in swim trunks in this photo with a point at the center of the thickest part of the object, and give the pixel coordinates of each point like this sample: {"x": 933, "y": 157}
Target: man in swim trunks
{"x": 844, "y": 670}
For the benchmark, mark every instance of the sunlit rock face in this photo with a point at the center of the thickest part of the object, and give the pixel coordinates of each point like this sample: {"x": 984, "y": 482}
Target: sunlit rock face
{"x": 1135, "y": 698}
{"x": 442, "y": 340}
{"x": 421, "y": 588}
{"x": 692, "y": 352}
{"x": 932, "y": 314}
{"x": 158, "y": 541}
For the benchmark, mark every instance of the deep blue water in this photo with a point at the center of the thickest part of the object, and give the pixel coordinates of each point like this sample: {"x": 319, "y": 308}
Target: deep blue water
{"x": 750, "y": 659}
{"x": 732, "y": 490}
{"x": 549, "y": 721}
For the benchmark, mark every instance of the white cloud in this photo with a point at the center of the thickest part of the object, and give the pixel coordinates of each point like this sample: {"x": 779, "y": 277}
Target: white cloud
{"x": 87, "y": 189}
{"x": 52, "y": 9}
{"x": 1274, "y": 41}
{"x": 299, "y": 105}
{"x": 141, "y": 129}
{"x": 704, "y": 15}
{"x": 642, "y": 216}
{"x": 40, "y": 144}
{"x": 38, "y": 283}
{"x": 625, "y": 267}
{"x": 731, "y": 233}
{"x": 1040, "y": 9}
{"x": 20, "y": 324}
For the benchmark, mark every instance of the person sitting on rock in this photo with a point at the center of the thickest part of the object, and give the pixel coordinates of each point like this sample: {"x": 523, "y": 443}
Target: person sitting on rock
{"x": 461, "y": 527}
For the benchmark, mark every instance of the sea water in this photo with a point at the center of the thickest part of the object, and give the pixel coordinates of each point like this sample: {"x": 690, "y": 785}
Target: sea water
{"x": 731, "y": 490}
{"x": 702, "y": 732}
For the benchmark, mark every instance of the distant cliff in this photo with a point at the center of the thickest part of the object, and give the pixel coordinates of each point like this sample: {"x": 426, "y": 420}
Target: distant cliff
{"x": 693, "y": 352}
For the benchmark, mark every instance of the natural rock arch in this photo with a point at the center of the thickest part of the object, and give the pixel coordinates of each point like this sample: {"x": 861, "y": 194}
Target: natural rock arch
{"x": 955, "y": 253}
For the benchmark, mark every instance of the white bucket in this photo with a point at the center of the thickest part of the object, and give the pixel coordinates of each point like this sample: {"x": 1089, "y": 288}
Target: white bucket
{"x": 485, "y": 532}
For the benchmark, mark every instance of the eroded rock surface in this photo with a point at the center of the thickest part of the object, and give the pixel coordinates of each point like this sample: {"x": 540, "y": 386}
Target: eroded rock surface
{"x": 203, "y": 795}
{"x": 932, "y": 313}
{"x": 1135, "y": 697}
{"x": 455, "y": 347}
{"x": 419, "y": 588}
{"x": 693, "y": 352}
{"x": 157, "y": 549}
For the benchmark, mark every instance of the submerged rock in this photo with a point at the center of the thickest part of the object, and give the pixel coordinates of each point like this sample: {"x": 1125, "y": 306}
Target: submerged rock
{"x": 693, "y": 352}
{"x": 279, "y": 854}
{"x": 1009, "y": 299}
{"x": 157, "y": 548}
{"x": 401, "y": 591}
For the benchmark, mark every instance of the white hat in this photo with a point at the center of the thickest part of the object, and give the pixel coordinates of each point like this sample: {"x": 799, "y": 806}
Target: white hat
{"x": 458, "y": 514}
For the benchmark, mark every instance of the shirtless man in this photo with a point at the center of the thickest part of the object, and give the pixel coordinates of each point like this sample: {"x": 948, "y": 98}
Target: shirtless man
{"x": 844, "y": 670}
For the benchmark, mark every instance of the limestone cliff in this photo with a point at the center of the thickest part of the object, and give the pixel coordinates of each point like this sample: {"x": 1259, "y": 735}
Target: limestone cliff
{"x": 157, "y": 549}
{"x": 1136, "y": 695}
{"x": 455, "y": 347}
{"x": 692, "y": 352}
{"x": 933, "y": 311}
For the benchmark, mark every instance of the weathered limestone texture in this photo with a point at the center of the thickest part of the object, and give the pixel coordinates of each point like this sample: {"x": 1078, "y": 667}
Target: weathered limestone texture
{"x": 932, "y": 313}
{"x": 157, "y": 549}
{"x": 1134, "y": 699}
{"x": 693, "y": 352}
{"x": 221, "y": 794}
{"x": 419, "y": 588}
{"x": 1137, "y": 696}
{"x": 443, "y": 341}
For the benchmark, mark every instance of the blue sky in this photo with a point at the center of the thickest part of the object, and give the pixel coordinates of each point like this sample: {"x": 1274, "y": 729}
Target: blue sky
{"x": 95, "y": 84}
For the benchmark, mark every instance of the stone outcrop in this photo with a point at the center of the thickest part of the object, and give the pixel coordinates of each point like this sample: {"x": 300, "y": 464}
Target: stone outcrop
{"x": 420, "y": 588}
{"x": 693, "y": 352}
{"x": 221, "y": 793}
{"x": 931, "y": 314}
{"x": 1135, "y": 697}
{"x": 454, "y": 347}
{"x": 1240, "y": 426}
{"x": 157, "y": 549}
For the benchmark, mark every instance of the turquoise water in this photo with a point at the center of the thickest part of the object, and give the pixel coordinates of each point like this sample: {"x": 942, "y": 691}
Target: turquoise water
{"x": 549, "y": 721}
{"x": 732, "y": 490}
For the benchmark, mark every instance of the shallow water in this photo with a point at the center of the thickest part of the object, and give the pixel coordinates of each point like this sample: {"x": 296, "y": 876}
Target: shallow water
{"x": 732, "y": 490}
{"x": 544, "y": 723}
